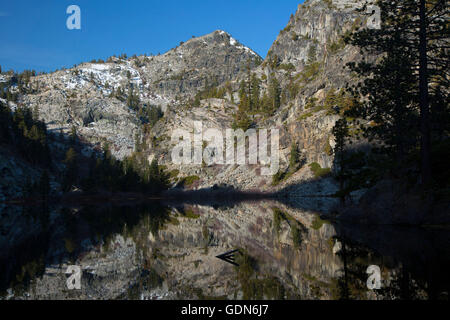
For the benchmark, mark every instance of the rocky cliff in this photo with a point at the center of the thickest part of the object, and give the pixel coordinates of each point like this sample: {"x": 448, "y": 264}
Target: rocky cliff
{"x": 308, "y": 58}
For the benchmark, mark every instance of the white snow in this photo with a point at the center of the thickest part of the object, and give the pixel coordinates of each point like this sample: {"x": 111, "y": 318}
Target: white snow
{"x": 100, "y": 67}
{"x": 236, "y": 44}
{"x": 102, "y": 74}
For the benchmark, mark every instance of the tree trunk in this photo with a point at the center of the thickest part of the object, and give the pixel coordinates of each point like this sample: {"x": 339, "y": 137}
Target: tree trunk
{"x": 424, "y": 99}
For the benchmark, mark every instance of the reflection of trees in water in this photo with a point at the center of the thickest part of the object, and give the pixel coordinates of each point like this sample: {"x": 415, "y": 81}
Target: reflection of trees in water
{"x": 257, "y": 285}
{"x": 351, "y": 285}
{"x": 398, "y": 280}
{"x": 27, "y": 260}
{"x": 416, "y": 266}
{"x": 104, "y": 223}
{"x": 298, "y": 230}
{"x": 23, "y": 263}
{"x": 403, "y": 286}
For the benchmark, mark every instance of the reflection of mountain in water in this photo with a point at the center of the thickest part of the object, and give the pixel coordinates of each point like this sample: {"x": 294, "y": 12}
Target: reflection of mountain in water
{"x": 156, "y": 251}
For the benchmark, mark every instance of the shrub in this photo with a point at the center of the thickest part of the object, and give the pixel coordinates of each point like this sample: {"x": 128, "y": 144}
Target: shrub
{"x": 278, "y": 177}
{"x": 278, "y": 216}
{"x": 296, "y": 237}
{"x": 289, "y": 67}
{"x": 328, "y": 149}
{"x": 189, "y": 181}
{"x": 310, "y": 72}
{"x": 305, "y": 116}
{"x": 318, "y": 222}
{"x": 189, "y": 213}
{"x": 318, "y": 171}
{"x": 337, "y": 45}
{"x": 174, "y": 174}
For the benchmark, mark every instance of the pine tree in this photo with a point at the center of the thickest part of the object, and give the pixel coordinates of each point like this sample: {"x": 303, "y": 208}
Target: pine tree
{"x": 154, "y": 113}
{"x": 248, "y": 81}
{"x": 265, "y": 104}
{"x": 157, "y": 177}
{"x": 71, "y": 172}
{"x": 36, "y": 113}
{"x": 255, "y": 93}
{"x": 154, "y": 172}
{"x": 312, "y": 53}
{"x": 243, "y": 96}
{"x": 414, "y": 34}
{"x": 294, "y": 158}
{"x": 388, "y": 107}
{"x": 5, "y": 122}
{"x": 229, "y": 90}
{"x": 106, "y": 152}
{"x": 274, "y": 93}
{"x": 242, "y": 120}
{"x": 73, "y": 135}
{"x": 340, "y": 132}
{"x": 133, "y": 99}
{"x": 119, "y": 93}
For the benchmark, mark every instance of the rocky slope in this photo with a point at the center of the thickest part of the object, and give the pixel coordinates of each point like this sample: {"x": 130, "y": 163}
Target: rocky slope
{"x": 83, "y": 96}
{"x": 309, "y": 58}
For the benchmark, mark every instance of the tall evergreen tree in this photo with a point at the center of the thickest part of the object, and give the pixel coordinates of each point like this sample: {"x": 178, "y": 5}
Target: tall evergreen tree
{"x": 294, "y": 158}
{"x": 133, "y": 100}
{"x": 341, "y": 133}
{"x": 5, "y": 122}
{"x": 255, "y": 93}
{"x": 244, "y": 103}
{"x": 73, "y": 135}
{"x": 71, "y": 172}
{"x": 413, "y": 44}
{"x": 274, "y": 93}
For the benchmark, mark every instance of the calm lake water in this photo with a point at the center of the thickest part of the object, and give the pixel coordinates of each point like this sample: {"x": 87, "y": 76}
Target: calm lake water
{"x": 168, "y": 251}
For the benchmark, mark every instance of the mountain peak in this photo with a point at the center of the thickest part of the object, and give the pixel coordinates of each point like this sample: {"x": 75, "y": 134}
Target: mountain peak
{"x": 221, "y": 37}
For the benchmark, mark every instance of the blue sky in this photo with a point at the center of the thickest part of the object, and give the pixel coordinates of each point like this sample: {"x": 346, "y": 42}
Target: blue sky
{"x": 33, "y": 34}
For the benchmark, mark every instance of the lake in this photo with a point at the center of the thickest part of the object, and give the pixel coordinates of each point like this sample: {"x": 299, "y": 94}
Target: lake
{"x": 169, "y": 250}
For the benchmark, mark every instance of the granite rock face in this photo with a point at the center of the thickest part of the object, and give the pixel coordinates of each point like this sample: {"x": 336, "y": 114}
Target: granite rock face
{"x": 316, "y": 24}
{"x": 211, "y": 59}
{"x": 310, "y": 55}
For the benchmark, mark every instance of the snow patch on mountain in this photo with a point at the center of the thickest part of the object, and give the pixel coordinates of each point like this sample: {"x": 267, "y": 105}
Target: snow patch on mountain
{"x": 103, "y": 76}
{"x": 236, "y": 44}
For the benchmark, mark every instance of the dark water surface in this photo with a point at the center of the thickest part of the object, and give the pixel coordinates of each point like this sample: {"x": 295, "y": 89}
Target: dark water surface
{"x": 168, "y": 251}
